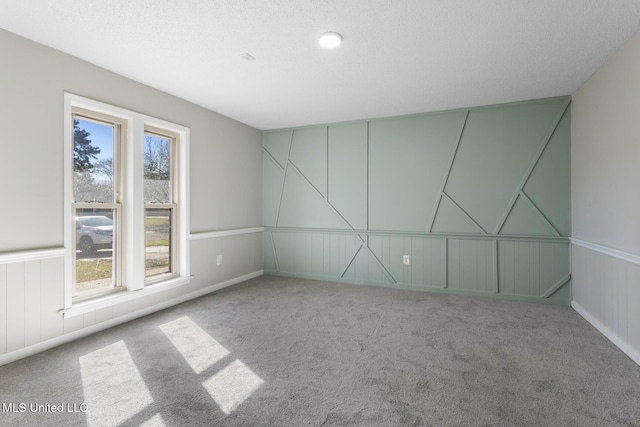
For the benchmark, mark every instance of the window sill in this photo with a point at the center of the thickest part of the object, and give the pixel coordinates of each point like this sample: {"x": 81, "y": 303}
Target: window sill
{"x": 120, "y": 297}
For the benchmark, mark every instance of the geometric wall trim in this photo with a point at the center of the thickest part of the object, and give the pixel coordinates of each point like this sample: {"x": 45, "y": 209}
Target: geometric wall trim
{"x": 309, "y": 154}
{"x": 278, "y": 145}
{"x": 347, "y": 172}
{"x": 499, "y": 149}
{"x": 302, "y": 205}
{"x": 517, "y": 269}
{"x": 478, "y": 198}
{"x": 553, "y": 171}
{"x": 408, "y": 158}
{"x": 450, "y": 218}
{"x": 273, "y": 178}
{"x": 533, "y": 269}
{"x": 525, "y": 219}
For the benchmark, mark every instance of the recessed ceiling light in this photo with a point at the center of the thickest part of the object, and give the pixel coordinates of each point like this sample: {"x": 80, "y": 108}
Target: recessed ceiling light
{"x": 247, "y": 57}
{"x": 330, "y": 39}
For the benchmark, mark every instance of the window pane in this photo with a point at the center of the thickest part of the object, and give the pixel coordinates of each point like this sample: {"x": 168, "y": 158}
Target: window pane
{"x": 157, "y": 236}
{"x": 93, "y": 145}
{"x": 94, "y": 248}
{"x": 157, "y": 167}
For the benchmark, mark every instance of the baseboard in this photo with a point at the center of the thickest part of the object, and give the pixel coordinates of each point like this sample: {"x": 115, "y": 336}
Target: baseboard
{"x": 72, "y": 336}
{"x": 611, "y": 336}
{"x": 217, "y": 287}
{"x": 423, "y": 288}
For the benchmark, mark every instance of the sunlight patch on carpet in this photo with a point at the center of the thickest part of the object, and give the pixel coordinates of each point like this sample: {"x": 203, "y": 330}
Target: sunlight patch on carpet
{"x": 109, "y": 379}
{"x": 232, "y": 386}
{"x": 155, "y": 421}
{"x": 196, "y": 346}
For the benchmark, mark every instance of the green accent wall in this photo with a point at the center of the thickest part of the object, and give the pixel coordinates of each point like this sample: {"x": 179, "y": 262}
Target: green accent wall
{"x": 479, "y": 199}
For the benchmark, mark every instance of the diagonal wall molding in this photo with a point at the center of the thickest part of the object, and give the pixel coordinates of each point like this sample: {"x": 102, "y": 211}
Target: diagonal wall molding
{"x": 466, "y": 257}
{"x": 353, "y": 258}
{"x": 562, "y": 111}
{"x": 270, "y": 157}
{"x": 335, "y": 211}
{"x": 560, "y": 283}
{"x": 539, "y": 213}
{"x": 446, "y": 176}
{"x": 275, "y": 252}
{"x": 482, "y": 230}
{"x": 284, "y": 179}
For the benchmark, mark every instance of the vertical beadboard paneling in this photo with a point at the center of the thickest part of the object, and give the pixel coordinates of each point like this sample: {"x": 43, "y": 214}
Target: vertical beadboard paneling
{"x": 470, "y": 265}
{"x": 33, "y": 302}
{"x": 3, "y": 308}
{"x": 418, "y": 261}
{"x": 611, "y": 313}
{"x": 334, "y": 255}
{"x": 256, "y": 250}
{"x": 407, "y": 270}
{"x": 327, "y": 256}
{"x": 580, "y": 274}
{"x": 405, "y": 185}
{"x": 606, "y": 290}
{"x": 621, "y": 285}
{"x": 396, "y": 250}
{"x": 523, "y": 269}
{"x": 632, "y": 322}
{"x": 427, "y": 263}
{"x": 269, "y": 254}
{"x": 32, "y": 290}
{"x": 52, "y": 297}
{"x": 376, "y": 245}
{"x": 531, "y": 268}
{"x": 361, "y": 264}
{"x": 437, "y": 263}
{"x": 317, "y": 254}
{"x": 15, "y": 306}
{"x": 521, "y": 258}
{"x": 284, "y": 251}
{"x": 375, "y": 272}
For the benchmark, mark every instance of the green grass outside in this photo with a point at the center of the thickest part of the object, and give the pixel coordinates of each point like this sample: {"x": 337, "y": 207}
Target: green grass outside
{"x": 87, "y": 271}
{"x": 161, "y": 242}
{"x": 100, "y": 269}
{"x": 156, "y": 221}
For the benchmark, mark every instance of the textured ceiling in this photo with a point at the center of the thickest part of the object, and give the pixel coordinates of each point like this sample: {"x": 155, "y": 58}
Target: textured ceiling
{"x": 398, "y": 57}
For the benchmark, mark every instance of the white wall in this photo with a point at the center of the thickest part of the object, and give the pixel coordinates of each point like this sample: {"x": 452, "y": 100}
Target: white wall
{"x": 605, "y": 162}
{"x": 226, "y": 193}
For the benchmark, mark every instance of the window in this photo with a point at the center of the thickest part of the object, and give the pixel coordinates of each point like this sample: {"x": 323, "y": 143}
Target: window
{"x": 159, "y": 203}
{"x": 126, "y": 189}
{"x": 96, "y": 202}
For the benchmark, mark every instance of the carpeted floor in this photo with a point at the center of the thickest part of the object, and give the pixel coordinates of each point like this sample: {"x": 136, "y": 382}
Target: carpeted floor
{"x": 289, "y": 352}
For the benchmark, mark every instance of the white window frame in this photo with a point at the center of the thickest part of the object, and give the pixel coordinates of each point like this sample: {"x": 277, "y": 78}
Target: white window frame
{"x": 133, "y": 207}
{"x": 120, "y": 129}
{"x": 172, "y": 205}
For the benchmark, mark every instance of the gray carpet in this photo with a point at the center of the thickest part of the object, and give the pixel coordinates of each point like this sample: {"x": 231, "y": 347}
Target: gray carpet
{"x": 290, "y": 352}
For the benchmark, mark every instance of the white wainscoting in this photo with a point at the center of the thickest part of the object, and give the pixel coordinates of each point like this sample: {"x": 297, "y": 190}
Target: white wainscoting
{"x": 606, "y": 292}
{"x": 31, "y": 318}
{"x": 33, "y": 283}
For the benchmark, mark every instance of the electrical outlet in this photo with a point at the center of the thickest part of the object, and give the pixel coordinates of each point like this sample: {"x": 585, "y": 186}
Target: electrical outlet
{"x": 219, "y": 259}
{"x": 405, "y": 259}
